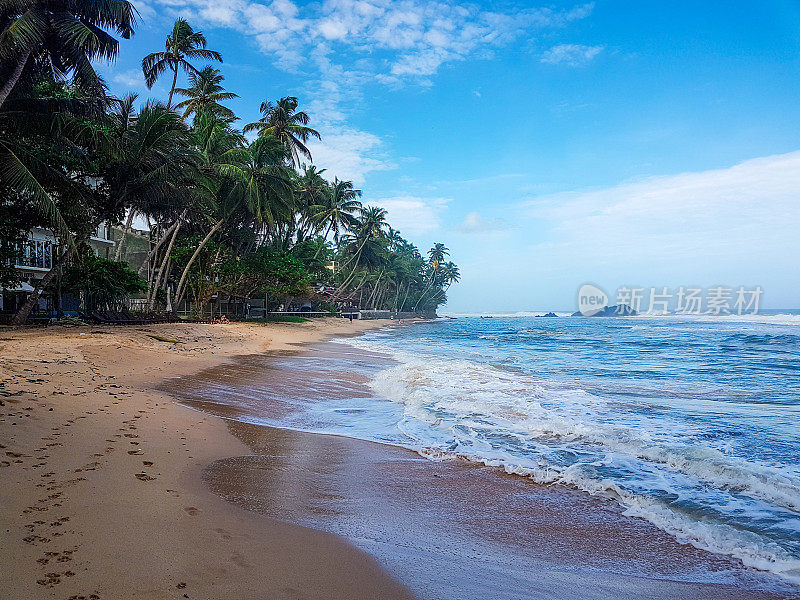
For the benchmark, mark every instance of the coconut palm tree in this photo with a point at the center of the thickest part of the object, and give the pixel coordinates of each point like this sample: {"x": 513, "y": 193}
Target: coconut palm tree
{"x": 255, "y": 183}
{"x": 283, "y": 121}
{"x": 263, "y": 181}
{"x": 149, "y": 154}
{"x": 310, "y": 192}
{"x": 182, "y": 44}
{"x": 370, "y": 228}
{"x": 59, "y": 37}
{"x": 437, "y": 254}
{"x": 206, "y": 93}
{"x": 339, "y": 209}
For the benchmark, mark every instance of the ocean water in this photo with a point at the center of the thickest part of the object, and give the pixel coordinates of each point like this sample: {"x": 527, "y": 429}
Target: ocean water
{"x": 690, "y": 423}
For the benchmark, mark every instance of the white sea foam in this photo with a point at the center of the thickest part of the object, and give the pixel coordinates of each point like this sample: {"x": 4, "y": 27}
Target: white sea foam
{"x": 456, "y": 407}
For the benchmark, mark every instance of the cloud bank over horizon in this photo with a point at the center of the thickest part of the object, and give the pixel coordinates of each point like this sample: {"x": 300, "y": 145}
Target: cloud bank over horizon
{"x": 733, "y": 226}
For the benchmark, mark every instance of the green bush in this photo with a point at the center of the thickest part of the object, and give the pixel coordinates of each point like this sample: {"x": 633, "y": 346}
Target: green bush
{"x": 104, "y": 283}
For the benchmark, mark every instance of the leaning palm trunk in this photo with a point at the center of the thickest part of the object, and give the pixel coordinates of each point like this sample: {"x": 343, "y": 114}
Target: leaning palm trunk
{"x": 152, "y": 301}
{"x": 160, "y": 242}
{"x": 172, "y": 89}
{"x": 15, "y": 75}
{"x": 405, "y": 298}
{"x": 25, "y": 310}
{"x": 372, "y": 299}
{"x": 179, "y": 291}
{"x": 426, "y": 290}
{"x": 349, "y": 278}
{"x": 125, "y": 230}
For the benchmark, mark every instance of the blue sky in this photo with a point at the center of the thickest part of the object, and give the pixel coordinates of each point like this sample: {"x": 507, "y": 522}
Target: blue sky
{"x": 548, "y": 145}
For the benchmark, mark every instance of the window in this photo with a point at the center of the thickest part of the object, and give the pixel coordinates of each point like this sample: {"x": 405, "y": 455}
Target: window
{"x": 38, "y": 253}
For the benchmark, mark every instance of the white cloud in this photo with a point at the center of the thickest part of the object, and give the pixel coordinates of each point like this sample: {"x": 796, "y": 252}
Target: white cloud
{"x": 475, "y": 222}
{"x": 749, "y": 210}
{"x": 573, "y": 55}
{"x": 348, "y": 153}
{"x": 132, "y": 78}
{"x": 412, "y": 215}
{"x": 415, "y": 36}
{"x": 144, "y": 8}
{"x": 339, "y": 46}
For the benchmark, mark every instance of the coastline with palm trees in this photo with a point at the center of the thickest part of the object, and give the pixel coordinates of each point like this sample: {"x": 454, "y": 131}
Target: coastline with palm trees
{"x": 232, "y": 212}
{"x": 197, "y": 212}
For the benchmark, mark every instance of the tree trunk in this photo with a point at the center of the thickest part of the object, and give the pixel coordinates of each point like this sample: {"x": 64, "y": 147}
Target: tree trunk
{"x": 128, "y": 225}
{"x": 179, "y": 290}
{"x": 426, "y": 290}
{"x": 405, "y": 298}
{"x": 152, "y": 301}
{"x": 14, "y": 78}
{"x": 155, "y": 249}
{"x": 375, "y": 289}
{"x": 25, "y": 310}
{"x": 352, "y": 273}
{"x": 172, "y": 89}
{"x": 397, "y": 297}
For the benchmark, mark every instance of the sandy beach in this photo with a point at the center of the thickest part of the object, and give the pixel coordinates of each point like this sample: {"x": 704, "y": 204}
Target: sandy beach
{"x": 114, "y": 489}
{"x": 102, "y": 494}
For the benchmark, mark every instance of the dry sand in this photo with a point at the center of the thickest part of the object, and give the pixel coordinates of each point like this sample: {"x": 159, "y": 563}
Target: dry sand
{"x": 100, "y": 474}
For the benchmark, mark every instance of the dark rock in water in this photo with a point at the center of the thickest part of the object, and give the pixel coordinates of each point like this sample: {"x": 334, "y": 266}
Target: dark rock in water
{"x": 550, "y": 314}
{"x": 622, "y": 310}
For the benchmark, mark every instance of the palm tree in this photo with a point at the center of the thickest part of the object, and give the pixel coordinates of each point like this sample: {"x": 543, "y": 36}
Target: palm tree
{"x": 148, "y": 155}
{"x": 370, "y": 228}
{"x": 59, "y": 37}
{"x": 437, "y": 254}
{"x": 263, "y": 181}
{"x": 448, "y": 275}
{"x": 310, "y": 192}
{"x": 284, "y": 122}
{"x": 339, "y": 208}
{"x": 183, "y": 43}
{"x": 255, "y": 183}
{"x": 205, "y": 93}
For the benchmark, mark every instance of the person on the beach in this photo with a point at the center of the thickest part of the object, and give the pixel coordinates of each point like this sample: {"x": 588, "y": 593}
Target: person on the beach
{"x": 351, "y": 317}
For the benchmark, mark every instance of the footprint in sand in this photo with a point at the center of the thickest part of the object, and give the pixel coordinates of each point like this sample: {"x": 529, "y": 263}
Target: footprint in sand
{"x": 191, "y": 510}
{"x": 35, "y": 539}
{"x": 147, "y": 463}
{"x": 143, "y": 477}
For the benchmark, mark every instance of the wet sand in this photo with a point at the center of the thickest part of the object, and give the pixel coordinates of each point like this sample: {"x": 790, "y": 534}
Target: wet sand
{"x": 102, "y": 494}
{"x": 448, "y": 530}
{"x": 111, "y": 489}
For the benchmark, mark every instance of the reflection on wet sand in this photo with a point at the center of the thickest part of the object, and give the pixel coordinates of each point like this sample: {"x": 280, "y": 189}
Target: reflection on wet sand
{"x": 448, "y": 530}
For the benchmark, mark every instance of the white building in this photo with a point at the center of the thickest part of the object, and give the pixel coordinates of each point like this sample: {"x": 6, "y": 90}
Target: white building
{"x": 40, "y": 251}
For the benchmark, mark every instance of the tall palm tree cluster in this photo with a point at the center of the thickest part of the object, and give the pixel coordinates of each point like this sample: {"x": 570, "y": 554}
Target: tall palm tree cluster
{"x": 228, "y": 215}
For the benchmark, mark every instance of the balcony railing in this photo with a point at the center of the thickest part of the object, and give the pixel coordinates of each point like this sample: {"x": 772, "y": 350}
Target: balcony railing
{"x": 38, "y": 253}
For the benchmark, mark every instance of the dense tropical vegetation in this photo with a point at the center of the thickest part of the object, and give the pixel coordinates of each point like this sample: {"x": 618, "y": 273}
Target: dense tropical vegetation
{"x": 229, "y": 214}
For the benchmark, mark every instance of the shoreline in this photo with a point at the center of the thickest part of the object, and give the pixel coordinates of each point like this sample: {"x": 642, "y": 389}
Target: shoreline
{"x": 447, "y": 529}
{"x": 103, "y": 494}
{"x": 154, "y": 470}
